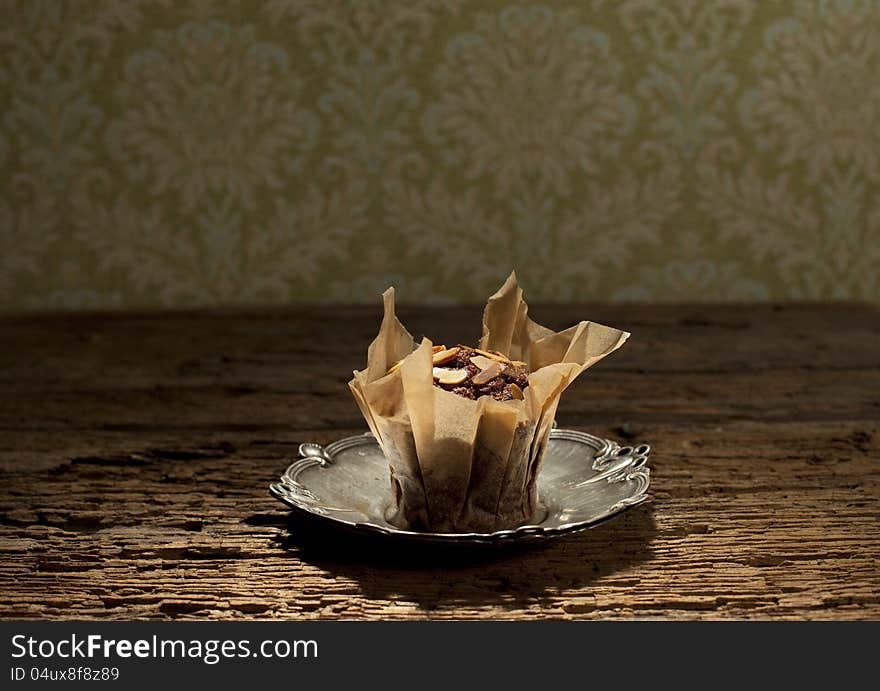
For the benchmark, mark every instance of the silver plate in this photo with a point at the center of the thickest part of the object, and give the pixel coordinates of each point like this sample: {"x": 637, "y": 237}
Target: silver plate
{"x": 584, "y": 481}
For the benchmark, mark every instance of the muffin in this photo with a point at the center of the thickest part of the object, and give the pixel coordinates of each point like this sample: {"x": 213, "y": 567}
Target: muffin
{"x": 465, "y": 428}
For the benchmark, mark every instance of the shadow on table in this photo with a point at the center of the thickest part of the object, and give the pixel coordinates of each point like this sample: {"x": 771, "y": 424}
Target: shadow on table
{"x": 513, "y": 576}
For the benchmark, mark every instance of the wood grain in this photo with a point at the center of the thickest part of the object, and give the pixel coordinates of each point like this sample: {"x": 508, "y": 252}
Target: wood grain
{"x": 135, "y": 453}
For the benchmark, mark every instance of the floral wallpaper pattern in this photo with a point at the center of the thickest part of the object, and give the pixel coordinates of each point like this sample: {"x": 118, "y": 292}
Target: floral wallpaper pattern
{"x": 159, "y": 153}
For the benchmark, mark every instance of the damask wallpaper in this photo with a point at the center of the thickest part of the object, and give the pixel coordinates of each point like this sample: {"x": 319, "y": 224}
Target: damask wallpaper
{"x": 197, "y": 153}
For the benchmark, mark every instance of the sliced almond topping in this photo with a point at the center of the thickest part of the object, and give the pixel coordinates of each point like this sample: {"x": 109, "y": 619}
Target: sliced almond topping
{"x": 516, "y": 392}
{"x": 442, "y": 356}
{"x": 482, "y": 362}
{"x": 487, "y": 374}
{"x": 437, "y": 349}
{"x": 444, "y": 375}
{"x": 492, "y": 356}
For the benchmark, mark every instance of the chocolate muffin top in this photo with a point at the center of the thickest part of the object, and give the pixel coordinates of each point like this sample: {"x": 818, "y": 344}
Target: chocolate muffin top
{"x": 471, "y": 372}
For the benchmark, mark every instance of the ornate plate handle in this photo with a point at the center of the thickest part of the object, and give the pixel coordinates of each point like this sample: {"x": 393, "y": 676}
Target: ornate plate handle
{"x": 621, "y": 462}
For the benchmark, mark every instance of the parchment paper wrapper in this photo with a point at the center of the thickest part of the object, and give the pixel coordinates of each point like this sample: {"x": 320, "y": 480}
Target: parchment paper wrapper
{"x": 459, "y": 465}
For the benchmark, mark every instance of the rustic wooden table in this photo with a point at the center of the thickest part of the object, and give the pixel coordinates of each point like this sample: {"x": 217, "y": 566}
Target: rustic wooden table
{"x": 136, "y": 451}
